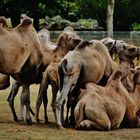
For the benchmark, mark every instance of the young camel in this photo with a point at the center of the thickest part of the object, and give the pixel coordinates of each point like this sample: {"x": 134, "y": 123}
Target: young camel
{"x": 107, "y": 106}
{"x": 65, "y": 43}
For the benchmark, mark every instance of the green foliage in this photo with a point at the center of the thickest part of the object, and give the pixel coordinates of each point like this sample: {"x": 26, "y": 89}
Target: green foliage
{"x": 126, "y": 11}
{"x": 87, "y": 23}
{"x": 136, "y": 26}
{"x": 58, "y": 22}
{"x": 68, "y": 9}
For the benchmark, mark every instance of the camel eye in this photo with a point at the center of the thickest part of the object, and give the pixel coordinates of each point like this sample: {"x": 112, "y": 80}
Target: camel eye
{"x": 110, "y": 43}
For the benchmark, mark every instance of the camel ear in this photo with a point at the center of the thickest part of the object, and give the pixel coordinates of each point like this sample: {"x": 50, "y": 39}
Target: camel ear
{"x": 60, "y": 39}
{"x": 63, "y": 65}
{"x": 83, "y": 44}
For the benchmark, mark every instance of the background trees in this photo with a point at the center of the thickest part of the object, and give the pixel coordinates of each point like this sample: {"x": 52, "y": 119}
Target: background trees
{"x": 110, "y": 12}
{"x": 126, "y": 12}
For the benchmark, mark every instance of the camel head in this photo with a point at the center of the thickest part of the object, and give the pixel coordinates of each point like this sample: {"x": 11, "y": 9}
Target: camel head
{"x": 44, "y": 35}
{"x": 68, "y": 39}
{"x": 113, "y": 45}
{"x": 70, "y": 67}
{"x": 130, "y": 53}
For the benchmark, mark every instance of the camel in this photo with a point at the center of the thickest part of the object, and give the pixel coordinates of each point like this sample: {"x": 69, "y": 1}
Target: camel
{"x": 75, "y": 70}
{"x": 107, "y": 106}
{"x": 50, "y": 77}
{"x": 51, "y": 52}
{"x": 21, "y": 57}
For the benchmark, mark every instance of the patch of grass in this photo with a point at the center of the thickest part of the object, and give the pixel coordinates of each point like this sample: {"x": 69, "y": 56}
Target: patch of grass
{"x": 9, "y": 130}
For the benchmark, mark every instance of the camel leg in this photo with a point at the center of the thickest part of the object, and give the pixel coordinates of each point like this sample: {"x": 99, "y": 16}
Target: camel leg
{"x": 25, "y": 100}
{"x": 54, "y": 95}
{"x": 67, "y": 113}
{"x": 28, "y": 118}
{"x": 41, "y": 95}
{"x": 71, "y": 103}
{"x": 45, "y": 102}
{"x": 59, "y": 102}
{"x": 97, "y": 116}
{"x": 11, "y": 98}
{"x": 20, "y": 115}
{"x": 88, "y": 125}
{"x": 132, "y": 117}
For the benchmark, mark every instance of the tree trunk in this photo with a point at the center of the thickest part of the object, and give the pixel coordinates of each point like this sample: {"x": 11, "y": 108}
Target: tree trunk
{"x": 110, "y": 12}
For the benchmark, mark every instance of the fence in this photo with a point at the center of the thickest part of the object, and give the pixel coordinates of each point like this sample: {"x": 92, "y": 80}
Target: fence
{"x": 128, "y": 36}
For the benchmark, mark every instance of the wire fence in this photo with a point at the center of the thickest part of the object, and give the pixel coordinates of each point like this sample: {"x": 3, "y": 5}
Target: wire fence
{"x": 128, "y": 36}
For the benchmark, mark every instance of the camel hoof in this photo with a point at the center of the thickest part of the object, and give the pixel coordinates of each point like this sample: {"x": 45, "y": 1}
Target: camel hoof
{"x": 21, "y": 122}
{"x": 60, "y": 127}
{"x": 37, "y": 121}
{"x": 46, "y": 122}
{"x": 29, "y": 121}
{"x": 16, "y": 119}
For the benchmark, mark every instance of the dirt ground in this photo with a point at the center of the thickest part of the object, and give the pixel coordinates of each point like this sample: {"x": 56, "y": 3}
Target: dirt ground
{"x": 9, "y": 130}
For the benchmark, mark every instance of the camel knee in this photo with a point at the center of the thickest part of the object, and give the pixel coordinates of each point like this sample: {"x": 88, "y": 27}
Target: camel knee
{"x": 24, "y": 99}
{"x": 53, "y": 107}
{"x": 87, "y": 125}
{"x": 58, "y": 105}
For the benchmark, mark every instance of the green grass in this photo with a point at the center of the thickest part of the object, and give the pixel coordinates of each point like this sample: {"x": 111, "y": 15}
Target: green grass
{"x": 9, "y": 130}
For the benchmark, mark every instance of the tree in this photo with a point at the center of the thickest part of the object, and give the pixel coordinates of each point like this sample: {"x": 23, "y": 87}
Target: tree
{"x": 110, "y": 12}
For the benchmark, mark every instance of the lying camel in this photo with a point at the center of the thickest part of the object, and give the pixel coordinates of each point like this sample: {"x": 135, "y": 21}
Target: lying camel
{"x": 50, "y": 77}
{"x": 75, "y": 69}
{"x": 107, "y": 106}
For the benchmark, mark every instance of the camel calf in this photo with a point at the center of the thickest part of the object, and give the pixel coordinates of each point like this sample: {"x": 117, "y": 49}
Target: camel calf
{"x": 103, "y": 108}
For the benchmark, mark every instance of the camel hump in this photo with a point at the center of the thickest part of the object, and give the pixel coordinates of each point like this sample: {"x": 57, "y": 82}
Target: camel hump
{"x": 83, "y": 44}
{"x": 26, "y": 22}
{"x": 3, "y": 21}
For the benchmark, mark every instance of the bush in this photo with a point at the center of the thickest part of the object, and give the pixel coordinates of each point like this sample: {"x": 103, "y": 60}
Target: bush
{"x": 136, "y": 26}
{"x": 58, "y": 22}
